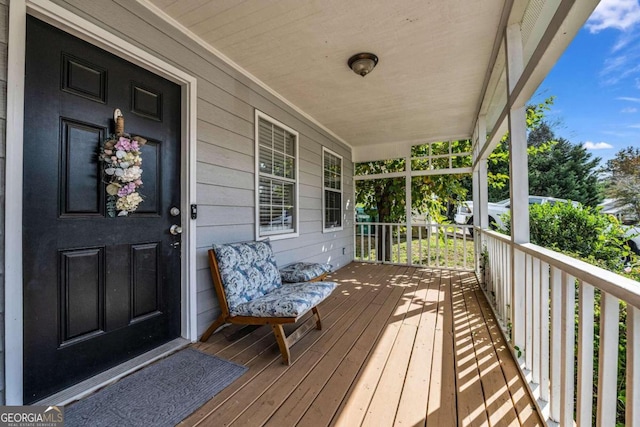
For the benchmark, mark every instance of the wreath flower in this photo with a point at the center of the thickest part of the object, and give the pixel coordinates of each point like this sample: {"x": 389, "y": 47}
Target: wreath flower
{"x": 121, "y": 160}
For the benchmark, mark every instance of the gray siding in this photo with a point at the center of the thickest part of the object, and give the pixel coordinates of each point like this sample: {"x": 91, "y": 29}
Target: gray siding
{"x": 4, "y": 32}
{"x": 225, "y": 159}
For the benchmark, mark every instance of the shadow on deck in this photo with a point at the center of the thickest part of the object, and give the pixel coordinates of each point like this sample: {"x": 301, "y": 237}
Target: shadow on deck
{"x": 400, "y": 346}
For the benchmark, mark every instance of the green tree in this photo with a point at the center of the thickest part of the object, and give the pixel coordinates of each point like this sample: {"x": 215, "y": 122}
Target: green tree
{"x": 566, "y": 171}
{"x": 498, "y": 161}
{"x": 431, "y": 195}
{"x": 385, "y": 198}
{"x": 623, "y": 179}
{"x": 557, "y": 168}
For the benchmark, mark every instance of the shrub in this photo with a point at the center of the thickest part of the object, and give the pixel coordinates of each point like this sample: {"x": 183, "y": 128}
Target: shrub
{"x": 580, "y": 232}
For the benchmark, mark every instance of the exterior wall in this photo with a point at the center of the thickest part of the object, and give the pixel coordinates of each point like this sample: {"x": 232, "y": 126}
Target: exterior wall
{"x": 4, "y": 30}
{"x": 225, "y": 152}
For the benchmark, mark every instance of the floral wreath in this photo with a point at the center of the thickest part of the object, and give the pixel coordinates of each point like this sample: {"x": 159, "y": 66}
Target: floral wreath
{"x": 121, "y": 160}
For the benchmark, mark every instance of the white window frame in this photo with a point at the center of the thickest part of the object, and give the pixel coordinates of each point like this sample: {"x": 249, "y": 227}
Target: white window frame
{"x": 326, "y": 229}
{"x": 280, "y": 234}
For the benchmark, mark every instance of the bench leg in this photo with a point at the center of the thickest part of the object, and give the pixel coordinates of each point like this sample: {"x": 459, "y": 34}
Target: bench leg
{"x": 318, "y": 321}
{"x": 215, "y": 325}
{"x": 281, "y": 338}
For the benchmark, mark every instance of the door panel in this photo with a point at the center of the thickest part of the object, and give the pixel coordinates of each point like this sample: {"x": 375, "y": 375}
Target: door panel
{"x": 97, "y": 290}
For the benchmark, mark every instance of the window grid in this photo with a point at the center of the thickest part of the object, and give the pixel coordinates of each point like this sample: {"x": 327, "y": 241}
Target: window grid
{"x": 277, "y": 178}
{"x": 332, "y": 185}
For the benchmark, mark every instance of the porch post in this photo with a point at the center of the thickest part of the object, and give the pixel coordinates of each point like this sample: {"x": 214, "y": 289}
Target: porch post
{"x": 408, "y": 203}
{"x": 519, "y": 191}
{"x": 483, "y": 190}
{"x": 480, "y": 189}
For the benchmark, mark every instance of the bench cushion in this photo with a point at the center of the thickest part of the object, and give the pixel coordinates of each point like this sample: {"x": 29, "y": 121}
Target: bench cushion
{"x": 290, "y": 300}
{"x": 248, "y": 270}
{"x": 303, "y": 271}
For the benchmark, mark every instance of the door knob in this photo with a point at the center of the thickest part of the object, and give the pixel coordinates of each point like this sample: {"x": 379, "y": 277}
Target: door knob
{"x": 175, "y": 229}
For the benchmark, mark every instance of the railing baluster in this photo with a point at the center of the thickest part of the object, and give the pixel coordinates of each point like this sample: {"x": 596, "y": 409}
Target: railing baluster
{"x": 429, "y": 232}
{"x": 584, "y": 410}
{"x": 528, "y": 311}
{"x": 375, "y": 243}
{"x": 361, "y": 242}
{"x": 608, "y": 360}
{"x": 465, "y": 251}
{"x": 384, "y": 243}
{"x": 499, "y": 282}
{"x": 455, "y": 246}
{"x": 544, "y": 331}
{"x": 507, "y": 280}
{"x": 437, "y": 245}
{"x": 420, "y": 245}
{"x": 445, "y": 244}
{"x": 398, "y": 239}
{"x": 368, "y": 242}
{"x": 632, "y": 416}
{"x": 556, "y": 342}
{"x": 535, "y": 314}
{"x": 567, "y": 390}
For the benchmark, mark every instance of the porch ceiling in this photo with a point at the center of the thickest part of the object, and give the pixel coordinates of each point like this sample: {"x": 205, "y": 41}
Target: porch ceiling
{"x": 434, "y": 56}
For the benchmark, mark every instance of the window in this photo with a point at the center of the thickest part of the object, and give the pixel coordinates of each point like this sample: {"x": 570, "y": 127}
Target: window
{"x": 276, "y": 178}
{"x": 332, "y": 194}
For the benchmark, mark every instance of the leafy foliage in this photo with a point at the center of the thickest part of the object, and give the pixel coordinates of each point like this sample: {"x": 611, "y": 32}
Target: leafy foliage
{"x": 579, "y": 231}
{"x": 557, "y": 168}
{"x": 566, "y": 171}
{"x": 623, "y": 180}
{"x": 430, "y": 194}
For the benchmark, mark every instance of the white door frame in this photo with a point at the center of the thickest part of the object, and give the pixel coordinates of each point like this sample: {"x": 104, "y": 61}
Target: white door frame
{"x": 100, "y": 37}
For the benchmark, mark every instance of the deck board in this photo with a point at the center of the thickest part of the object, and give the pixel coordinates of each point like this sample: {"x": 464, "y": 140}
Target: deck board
{"x": 413, "y": 401}
{"x": 400, "y": 346}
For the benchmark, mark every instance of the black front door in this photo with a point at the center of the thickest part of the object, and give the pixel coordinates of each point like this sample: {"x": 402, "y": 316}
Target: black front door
{"x": 98, "y": 290}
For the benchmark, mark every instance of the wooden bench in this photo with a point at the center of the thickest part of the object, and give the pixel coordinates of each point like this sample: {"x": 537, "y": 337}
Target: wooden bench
{"x": 250, "y": 292}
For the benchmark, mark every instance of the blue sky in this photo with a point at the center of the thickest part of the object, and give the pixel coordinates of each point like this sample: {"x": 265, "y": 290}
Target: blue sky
{"x": 596, "y": 82}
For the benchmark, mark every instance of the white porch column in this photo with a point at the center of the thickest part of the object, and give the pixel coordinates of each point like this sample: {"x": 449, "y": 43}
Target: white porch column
{"x": 408, "y": 203}
{"x": 483, "y": 194}
{"x": 519, "y": 191}
{"x": 480, "y": 189}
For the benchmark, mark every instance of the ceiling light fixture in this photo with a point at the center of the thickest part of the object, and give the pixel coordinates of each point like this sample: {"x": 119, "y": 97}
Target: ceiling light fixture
{"x": 363, "y": 63}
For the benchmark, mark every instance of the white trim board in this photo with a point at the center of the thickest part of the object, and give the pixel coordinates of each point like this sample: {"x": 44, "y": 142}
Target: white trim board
{"x": 98, "y": 36}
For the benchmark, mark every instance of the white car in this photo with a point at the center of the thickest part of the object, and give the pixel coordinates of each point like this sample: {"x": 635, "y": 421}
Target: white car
{"x": 464, "y": 214}
{"x": 633, "y": 234}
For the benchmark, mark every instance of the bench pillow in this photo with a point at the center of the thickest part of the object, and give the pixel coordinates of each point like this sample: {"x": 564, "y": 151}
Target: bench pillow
{"x": 303, "y": 271}
{"x": 248, "y": 270}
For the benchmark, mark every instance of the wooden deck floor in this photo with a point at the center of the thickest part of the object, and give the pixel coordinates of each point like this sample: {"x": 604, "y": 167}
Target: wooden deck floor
{"x": 400, "y": 346}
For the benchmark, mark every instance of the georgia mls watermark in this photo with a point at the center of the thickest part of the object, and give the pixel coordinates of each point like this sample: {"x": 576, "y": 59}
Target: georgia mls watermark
{"x": 31, "y": 416}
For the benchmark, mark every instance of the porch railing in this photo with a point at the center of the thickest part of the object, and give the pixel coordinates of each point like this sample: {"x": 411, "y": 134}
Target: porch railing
{"x": 432, "y": 245}
{"x": 569, "y": 321}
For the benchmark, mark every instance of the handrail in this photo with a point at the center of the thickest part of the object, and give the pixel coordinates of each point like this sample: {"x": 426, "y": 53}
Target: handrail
{"x": 621, "y": 287}
{"x": 452, "y": 248}
{"x": 612, "y": 283}
{"x": 549, "y": 312}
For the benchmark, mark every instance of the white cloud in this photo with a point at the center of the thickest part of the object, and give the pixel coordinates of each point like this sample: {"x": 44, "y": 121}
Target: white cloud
{"x": 629, "y": 110}
{"x": 596, "y": 145}
{"x": 618, "y": 14}
{"x": 635, "y": 126}
{"x": 628, "y": 98}
{"x": 618, "y": 68}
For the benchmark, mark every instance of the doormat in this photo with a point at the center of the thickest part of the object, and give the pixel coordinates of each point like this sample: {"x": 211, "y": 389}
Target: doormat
{"x": 161, "y": 394}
